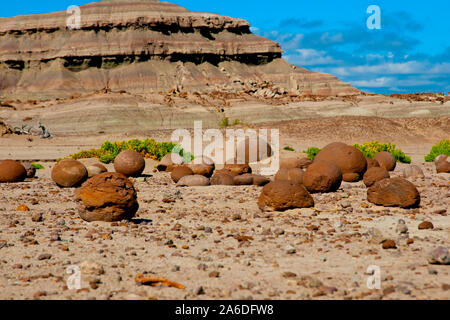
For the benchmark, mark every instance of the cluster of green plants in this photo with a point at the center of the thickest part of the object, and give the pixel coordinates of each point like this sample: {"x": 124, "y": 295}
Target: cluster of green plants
{"x": 37, "y": 166}
{"x": 148, "y": 148}
{"x": 442, "y": 147}
{"x": 288, "y": 148}
{"x": 225, "y": 122}
{"x": 311, "y": 152}
{"x": 369, "y": 149}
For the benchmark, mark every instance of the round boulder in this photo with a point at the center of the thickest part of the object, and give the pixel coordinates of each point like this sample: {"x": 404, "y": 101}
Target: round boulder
{"x": 441, "y": 157}
{"x": 201, "y": 169}
{"x": 395, "y": 192}
{"x": 31, "y": 170}
{"x": 413, "y": 171}
{"x": 250, "y": 179}
{"x": 108, "y": 196}
{"x": 442, "y": 164}
{"x": 193, "y": 181}
{"x": 293, "y": 174}
{"x": 371, "y": 163}
{"x": 222, "y": 179}
{"x": 238, "y": 168}
{"x": 69, "y": 173}
{"x": 322, "y": 176}
{"x": 288, "y": 163}
{"x": 305, "y": 163}
{"x": 95, "y": 169}
{"x": 375, "y": 174}
{"x": 386, "y": 160}
{"x": 12, "y": 171}
{"x": 349, "y": 159}
{"x": 130, "y": 163}
{"x": 281, "y": 195}
{"x": 180, "y": 172}
{"x": 169, "y": 162}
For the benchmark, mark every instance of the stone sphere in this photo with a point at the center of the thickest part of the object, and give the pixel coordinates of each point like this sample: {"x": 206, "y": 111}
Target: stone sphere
{"x": 322, "y": 176}
{"x": 169, "y": 162}
{"x": 375, "y": 174}
{"x": 386, "y": 160}
{"x": 349, "y": 159}
{"x": 179, "y": 172}
{"x": 108, "y": 196}
{"x": 130, "y": 163}
{"x": 95, "y": 169}
{"x": 69, "y": 173}
{"x": 282, "y": 195}
{"x": 237, "y": 168}
{"x": 413, "y": 171}
{"x": 222, "y": 179}
{"x": 293, "y": 174}
{"x": 12, "y": 171}
{"x": 193, "y": 181}
{"x": 371, "y": 163}
{"x": 394, "y": 192}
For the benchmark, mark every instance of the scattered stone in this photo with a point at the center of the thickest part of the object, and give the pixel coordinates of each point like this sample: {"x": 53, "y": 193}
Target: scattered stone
{"x": 95, "y": 169}
{"x": 401, "y": 227}
{"x": 442, "y": 164}
{"x": 322, "y": 176}
{"x": 290, "y": 249}
{"x": 91, "y": 268}
{"x": 305, "y": 163}
{"x": 30, "y": 169}
{"x": 130, "y": 163}
{"x": 281, "y": 195}
{"x": 396, "y": 192}
{"x": 222, "y": 179}
{"x": 413, "y": 171}
{"x": 288, "y": 163}
{"x": 180, "y": 172}
{"x": 23, "y": 207}
{"x": 69, "y": 173}
{"x": 202, "y": 169}
{"x": 214, "y": 274}
{"x": 44, "y": 256}
{"x": 386, "y": 160}
{"x": 169, "y": 162}
{"x": 292, "y": 174}
{"x": 388, "y": 244}
{"x": 439, "y": 255}
{"x": 12, "y": 171}
{"x": 237, "y": 168}
{"x": 375, "y": 174}
{"x": 371, "y": 163}
{"x": 193, "y": 181}
{"x": 36, "y": 217}
{"x": 109, "y": 196}
{"x": 425, "y": 225}
{"x": 199, "y": 291}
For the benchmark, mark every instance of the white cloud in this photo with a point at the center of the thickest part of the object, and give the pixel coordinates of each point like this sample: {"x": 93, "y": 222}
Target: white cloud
{"x": 309, "y": 57}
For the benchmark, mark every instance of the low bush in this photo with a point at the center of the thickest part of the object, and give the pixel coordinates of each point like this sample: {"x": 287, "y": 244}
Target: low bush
{"x": 442, "y": 147}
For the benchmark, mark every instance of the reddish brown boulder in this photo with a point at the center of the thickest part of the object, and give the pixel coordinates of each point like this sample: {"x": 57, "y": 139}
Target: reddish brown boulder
{"x": 193, "y": 181}
{"x": 129, "y": 163}
{"x": 371, "y": 163}
{"x": 281, "y": 195}
{"x": 288, "y": 163}
{"x": 349, "y": 159}
{"x": 69, "y": 173}
{"x": 442, "y": 164}
{"x": 394, "y": 192}
{"x": 440, "y": 158}
{"x": 108, "y": 196}
{"x": 413, "y": 171}
{"x": 375, "y": 174}
{"x": 169, "y": 162}
{"x": 293, "y": 174}
{"x": 250, "y": 179}
{"x": 222, "y": 179}
{"x": 227, "y": 172}
{"x": 386, "y": 160}
{"x": 180, "y": 172}
{"x": 305, "y": 163}
{"x": 12, "y": 171}
{"x": 95, "y": 169}
{"x": 322, "y": 176}
{"x": 238, "y": 168}
{"x": 202, "y": 169}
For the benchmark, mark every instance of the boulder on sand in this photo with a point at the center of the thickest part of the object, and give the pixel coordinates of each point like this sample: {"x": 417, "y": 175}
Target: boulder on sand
{"x": 12, "y": 171}
{"x": 394, "y": 192}
{"x": 322, "y": 176}
{"x": 69, "y": 173}
{"x": 130, "y": 163}
{"x": 442, "y": 164}
{"x": 349, "y": 159}
{"x": 413, "y": 171}
{"x": 386, "y": 160}
{"x": 371, "y": 163}
{"x": 250, "y": 179}
{"x": 281, "y": 195}
{"x": 375, "y": 174}
{"x": 193, "y": 181}
{"x": 237, "y": 168}
{"x": 179, "y": 172}
{"x": 108, "y": 196}
{"x": 94, "y": 169}
{"x": 292, "y": 174}
{"x": 222, "y": 179}
{"x": 169, "y": 162}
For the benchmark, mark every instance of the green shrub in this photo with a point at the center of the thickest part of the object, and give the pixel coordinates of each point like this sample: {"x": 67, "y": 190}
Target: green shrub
{"x": 37, "y": 166}
{"x": 148, "y": 148}
{"x": 225, "y": 122}
{"x": 370, "y": 149}
{"x": 442, "y": 147}
{"x": 288, "y": 148}
{"x": 311, "y": 152}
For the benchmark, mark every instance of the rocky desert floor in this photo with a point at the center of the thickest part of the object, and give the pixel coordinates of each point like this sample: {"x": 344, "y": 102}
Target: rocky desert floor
{"x": 217, "y": 243}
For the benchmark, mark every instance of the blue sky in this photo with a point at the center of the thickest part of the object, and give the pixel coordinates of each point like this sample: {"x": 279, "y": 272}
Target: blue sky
{"x": 410, "y": 53}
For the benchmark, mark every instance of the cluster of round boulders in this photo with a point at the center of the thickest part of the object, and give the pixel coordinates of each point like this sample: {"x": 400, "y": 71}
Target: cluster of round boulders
{"x": 195, "y": 180}
{"x": 386, "y": 160}
{"x": 371, "y": 163}
{"x": 169, "y": 162}
{"x": 413, "y": 171}
{"x": 236, "y": 168}
{"x": 222, "y": 179}
{"x": 95, "y": 169}
{"x": 442, "y": 164}
{"x": 31, "y": 170}
{"x": 179, "y": 172}
{"x": 394, "y": 192}
{"x": 130, "y": 163}
{"x": 250, "y": 179}
{"x": 374, "y": 174}
{"x": 282, "y": 195}
{"x": 108, "y": 196}
{"x": 349, "y": 159}
{"x": 12, "y": 171}
{"x": 69, "y": 173}
{"x": 322, "y": 176}
{"x": 292, "y": 174}
{"x": 202, "y": 166}
{"x": 252, "y": 149}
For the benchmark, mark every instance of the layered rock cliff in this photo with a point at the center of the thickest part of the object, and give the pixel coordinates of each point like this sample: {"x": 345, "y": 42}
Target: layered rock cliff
{"x": 145, "y": 46}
